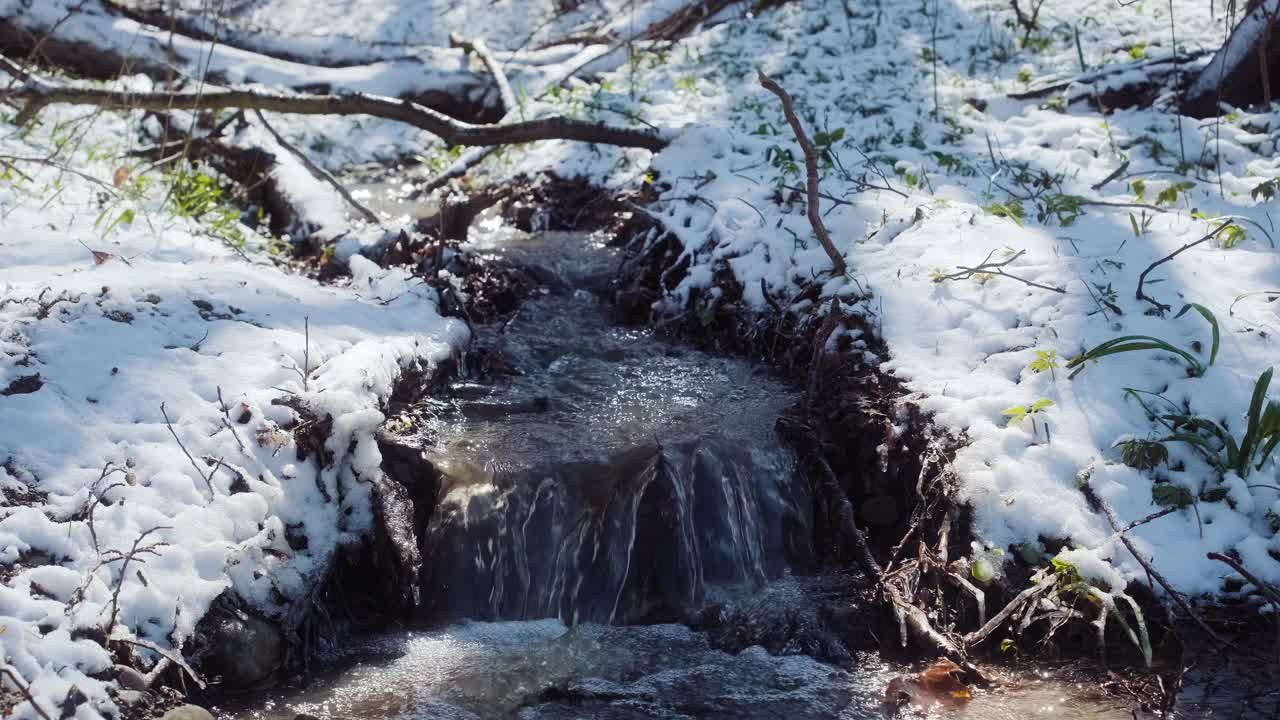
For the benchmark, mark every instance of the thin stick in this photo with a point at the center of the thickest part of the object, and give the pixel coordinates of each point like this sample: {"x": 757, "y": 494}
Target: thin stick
{"x": 208, "y": 479}
{"x": 1161, "y": 307}
{"x": 317, "y": 171}
{"x": 811, "y": 172}
{"x": 134, "y": 551}
{"x": 1100, "y": 505}
{"x": 1263, "y": 587}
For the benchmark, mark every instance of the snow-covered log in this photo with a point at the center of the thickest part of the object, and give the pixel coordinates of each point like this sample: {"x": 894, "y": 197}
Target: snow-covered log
{"x": 93, "y": 39}
{"x": 1241, "y": 71}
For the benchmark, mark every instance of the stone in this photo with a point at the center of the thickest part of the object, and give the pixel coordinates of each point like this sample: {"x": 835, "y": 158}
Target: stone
{"x": 242, "y": 649}
{"x": 129, "y": 678}
{"x": 187, "y": 712}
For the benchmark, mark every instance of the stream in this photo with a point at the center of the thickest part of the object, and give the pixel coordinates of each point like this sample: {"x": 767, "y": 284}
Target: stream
{"x": 601, "y": 494}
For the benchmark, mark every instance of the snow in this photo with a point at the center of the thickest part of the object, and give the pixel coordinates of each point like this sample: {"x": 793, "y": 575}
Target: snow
{"x": 173, "y": 319}
{"x": 963, "y": 347}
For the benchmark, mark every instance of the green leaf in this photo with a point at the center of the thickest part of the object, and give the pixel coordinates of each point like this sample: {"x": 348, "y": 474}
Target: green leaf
{"x": 1171, "y": 495}
{"x": 1041, "y": 404}
{"x": 1213, "y": 327}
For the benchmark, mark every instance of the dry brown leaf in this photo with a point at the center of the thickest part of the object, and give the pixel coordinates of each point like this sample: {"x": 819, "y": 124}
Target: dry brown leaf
{"x": 121, "y": 176}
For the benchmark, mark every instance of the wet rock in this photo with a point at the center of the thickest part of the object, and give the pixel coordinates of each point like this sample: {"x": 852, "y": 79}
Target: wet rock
{"x": 131, "y": 697}
{"x": 24, "y": 385}
{"x": 242, "y": 649}
{"x": 188, "y": 712}
{"x": 129, "y": 678}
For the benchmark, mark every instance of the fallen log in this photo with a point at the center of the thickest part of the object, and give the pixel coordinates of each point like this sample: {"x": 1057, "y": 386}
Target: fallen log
{"x": 1240, "y": 73}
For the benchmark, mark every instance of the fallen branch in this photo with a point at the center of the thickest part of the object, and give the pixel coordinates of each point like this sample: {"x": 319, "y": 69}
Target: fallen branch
{"x": 1161, "y": 307}
{"x": 1150, "y": 66}
{"x": 811, "y": 172}
{"x": 40, "y": 94}
{"x": 1237, "y": 74}
{"x": 986, "y": 267}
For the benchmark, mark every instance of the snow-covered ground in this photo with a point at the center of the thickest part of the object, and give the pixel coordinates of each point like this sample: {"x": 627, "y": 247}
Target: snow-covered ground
{"x": 115, "y": 312}
{"x": 173, "y": 314}
{"x": 962, "y": 157}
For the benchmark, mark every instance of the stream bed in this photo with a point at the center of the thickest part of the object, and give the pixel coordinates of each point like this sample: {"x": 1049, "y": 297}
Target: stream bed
{"x": 601, "y": 493}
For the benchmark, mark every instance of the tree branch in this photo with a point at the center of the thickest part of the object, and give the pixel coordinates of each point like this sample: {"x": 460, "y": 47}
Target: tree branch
{"x": 811, "y": 172}
{"x": 39, "y": 94}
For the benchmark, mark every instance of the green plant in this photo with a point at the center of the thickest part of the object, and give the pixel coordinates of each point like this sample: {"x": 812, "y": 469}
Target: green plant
{"x": 1011, "y": 210}
{"x": 1018, "y": 413}
{"x": 1046, "y": 360}
{"x": 1130, "y": 343}
{"x": 1142, "y": 454}
{"x": 1266, "y": 190}
{"x": 1169, "y": 195}
{"x": 1066, "y": 209}
{"x": 1214, "y": 440}
{"x": 196, "y": 195}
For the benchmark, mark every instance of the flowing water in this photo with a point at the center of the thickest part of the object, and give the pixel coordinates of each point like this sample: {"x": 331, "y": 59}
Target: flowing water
{"x": 599, "y": 477}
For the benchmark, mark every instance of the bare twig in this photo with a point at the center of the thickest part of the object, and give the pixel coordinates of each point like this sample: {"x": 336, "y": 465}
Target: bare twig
{"x": 317, "y": 171}
{"x": 207, "y": 477}
{"x": 126, "y": 558}
{"x": 1161, "y": 307}
{"x": 986, "y": 267}
{"x": 1264, "y": 587}
{"x": 811, "y": 172}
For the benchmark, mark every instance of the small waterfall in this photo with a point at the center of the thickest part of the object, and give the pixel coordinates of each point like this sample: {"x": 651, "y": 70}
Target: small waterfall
{"x": 597, "y": 473}
{"x": 632, "y": 540}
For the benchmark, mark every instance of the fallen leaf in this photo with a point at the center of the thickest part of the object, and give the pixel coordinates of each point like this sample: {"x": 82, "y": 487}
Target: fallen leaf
{"x": 100, "y": 257}
{"x": 121, "y": 176}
